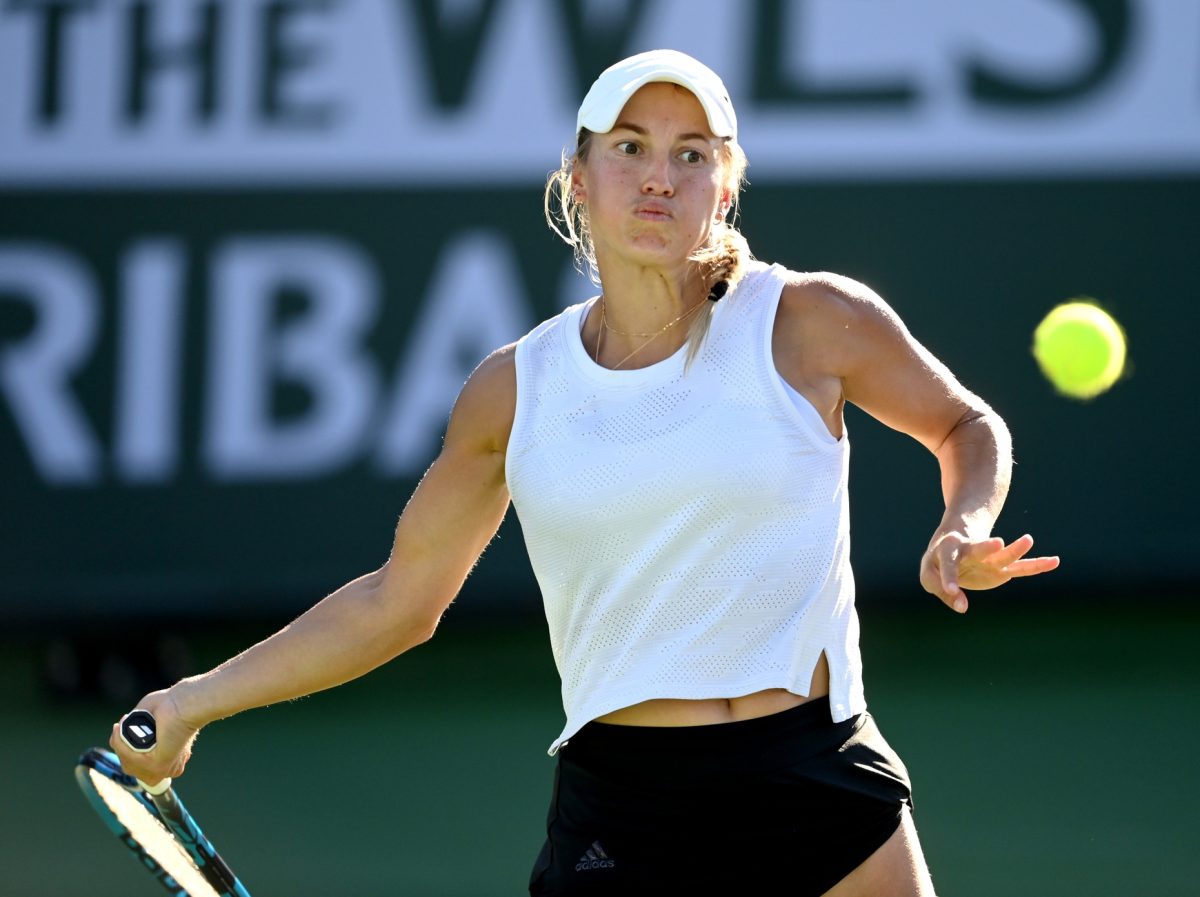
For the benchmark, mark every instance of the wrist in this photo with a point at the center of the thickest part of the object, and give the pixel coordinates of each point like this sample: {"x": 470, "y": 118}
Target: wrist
{"x": 973, "y": 526}
{"x": 193, "y": 702}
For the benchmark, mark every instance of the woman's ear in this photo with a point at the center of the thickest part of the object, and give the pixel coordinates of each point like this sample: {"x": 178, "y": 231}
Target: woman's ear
{"x": 724, "y": 206}
{"x": 578, "y": 190}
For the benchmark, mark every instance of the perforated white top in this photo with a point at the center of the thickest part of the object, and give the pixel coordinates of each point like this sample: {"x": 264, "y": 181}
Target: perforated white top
{"x": 689, "y": 532}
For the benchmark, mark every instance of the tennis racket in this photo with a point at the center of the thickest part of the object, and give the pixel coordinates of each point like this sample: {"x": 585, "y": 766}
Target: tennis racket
{"x": 153, "y": 822}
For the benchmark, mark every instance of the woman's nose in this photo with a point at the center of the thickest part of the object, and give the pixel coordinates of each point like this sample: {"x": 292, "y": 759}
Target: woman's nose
{"x": 657, "y": 181}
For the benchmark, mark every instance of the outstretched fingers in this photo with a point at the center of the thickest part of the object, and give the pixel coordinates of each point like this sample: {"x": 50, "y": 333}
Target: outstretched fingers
{"x": 953, "y": 564}
{"x": 1007, "y": 554}
{"x": 1011, "y": 559}
{"x": 1032, "y": 566}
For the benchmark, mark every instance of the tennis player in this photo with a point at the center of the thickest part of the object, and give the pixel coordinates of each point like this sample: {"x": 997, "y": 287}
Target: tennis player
{"x": 676, "y": 453}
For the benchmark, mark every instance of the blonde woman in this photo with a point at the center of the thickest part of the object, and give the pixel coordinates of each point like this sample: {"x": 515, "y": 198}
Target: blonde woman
{"x": 676, "y": 453}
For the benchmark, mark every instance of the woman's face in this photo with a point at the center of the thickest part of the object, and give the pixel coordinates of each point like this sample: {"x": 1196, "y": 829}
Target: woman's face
{"x": 654, "y": 184}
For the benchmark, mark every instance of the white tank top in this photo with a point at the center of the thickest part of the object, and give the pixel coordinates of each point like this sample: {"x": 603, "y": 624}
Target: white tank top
{"x": 689, "y": 532}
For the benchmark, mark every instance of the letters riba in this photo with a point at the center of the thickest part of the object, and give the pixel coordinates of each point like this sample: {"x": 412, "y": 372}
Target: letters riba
{"x": 349, "y": 404}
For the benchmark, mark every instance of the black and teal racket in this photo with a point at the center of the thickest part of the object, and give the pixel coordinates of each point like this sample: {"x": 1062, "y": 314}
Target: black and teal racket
{"x": 153, "y": 822}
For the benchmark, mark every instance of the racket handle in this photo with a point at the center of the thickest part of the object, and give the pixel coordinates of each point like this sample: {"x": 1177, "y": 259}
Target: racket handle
{"x": 139, "y": 731}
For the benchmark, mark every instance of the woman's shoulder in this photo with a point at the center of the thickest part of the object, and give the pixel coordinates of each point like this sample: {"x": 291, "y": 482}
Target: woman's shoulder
{"x": 833, "y": 320}
{"x": 833, "y": 300}
{"x": 487, "y": 403}
{"x": 818, "y": 291}
{"x": 495, "y": 377}
{"x": 828, "y": 290}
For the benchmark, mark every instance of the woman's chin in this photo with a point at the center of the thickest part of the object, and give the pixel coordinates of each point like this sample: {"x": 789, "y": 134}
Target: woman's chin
{"x": 654, "y": 250}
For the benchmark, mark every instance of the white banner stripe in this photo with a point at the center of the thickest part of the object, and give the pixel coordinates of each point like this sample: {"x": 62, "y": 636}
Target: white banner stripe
{"x": 363, "y": 92}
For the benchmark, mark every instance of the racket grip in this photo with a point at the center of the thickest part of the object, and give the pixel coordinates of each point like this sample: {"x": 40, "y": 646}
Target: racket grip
{"x": 156, "y": 790}
{"x": 139, "y": 731}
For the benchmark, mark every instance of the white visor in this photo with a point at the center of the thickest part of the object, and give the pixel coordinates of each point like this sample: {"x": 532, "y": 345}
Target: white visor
{"x": 603, "y": 104}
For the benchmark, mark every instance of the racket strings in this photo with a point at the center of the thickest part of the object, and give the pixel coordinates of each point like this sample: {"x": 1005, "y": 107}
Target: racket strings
{"x": 145, "y": 828}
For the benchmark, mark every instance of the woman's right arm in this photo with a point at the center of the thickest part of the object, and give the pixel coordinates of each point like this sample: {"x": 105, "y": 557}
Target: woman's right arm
{"x": 453, "y": 514}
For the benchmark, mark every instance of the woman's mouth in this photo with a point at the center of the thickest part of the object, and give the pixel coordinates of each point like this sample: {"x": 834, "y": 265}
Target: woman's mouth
{"x": 651, "y": 212}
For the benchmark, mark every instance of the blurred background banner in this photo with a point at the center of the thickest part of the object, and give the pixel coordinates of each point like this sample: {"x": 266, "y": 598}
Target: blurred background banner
{"x": 451, "y": 92}
{"x": 249, "y": 252}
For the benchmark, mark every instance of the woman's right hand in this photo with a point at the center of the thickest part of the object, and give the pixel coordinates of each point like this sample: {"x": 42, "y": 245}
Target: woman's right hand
{"x": 173, "y": 748}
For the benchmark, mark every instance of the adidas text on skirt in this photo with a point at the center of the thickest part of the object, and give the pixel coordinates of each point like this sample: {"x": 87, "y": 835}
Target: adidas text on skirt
{"x": 720, "y": 809}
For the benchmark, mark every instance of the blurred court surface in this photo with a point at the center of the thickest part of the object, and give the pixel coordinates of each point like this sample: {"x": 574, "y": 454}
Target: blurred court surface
{"x": 1052, "y": 752}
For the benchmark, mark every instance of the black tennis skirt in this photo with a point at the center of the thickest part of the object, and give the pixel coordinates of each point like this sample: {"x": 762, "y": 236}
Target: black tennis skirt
{"x": 732, "y": 808}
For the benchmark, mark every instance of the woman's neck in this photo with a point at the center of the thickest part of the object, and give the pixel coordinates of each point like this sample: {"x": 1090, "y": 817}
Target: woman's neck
{"x": 642, "y": 317}
{"x": 642, "y": 300}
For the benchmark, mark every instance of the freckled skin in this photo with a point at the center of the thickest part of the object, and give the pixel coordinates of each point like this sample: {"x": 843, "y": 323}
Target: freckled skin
{"x": 653, "y": 184}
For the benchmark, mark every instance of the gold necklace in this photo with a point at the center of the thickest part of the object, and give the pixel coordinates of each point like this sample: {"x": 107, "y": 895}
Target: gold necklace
{"x": 650, "y": 337}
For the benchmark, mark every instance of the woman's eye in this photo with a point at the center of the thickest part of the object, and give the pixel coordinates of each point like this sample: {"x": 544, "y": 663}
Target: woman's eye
{"x": 692, "y": 156}
{"x": 628, "y": 147}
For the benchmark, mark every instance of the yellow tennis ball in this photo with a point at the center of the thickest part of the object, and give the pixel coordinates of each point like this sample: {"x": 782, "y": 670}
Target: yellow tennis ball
{"x": 1080, "y": 349}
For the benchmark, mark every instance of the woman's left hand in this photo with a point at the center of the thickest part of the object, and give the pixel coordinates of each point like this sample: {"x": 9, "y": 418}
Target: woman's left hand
{"x": 953, "y": 563}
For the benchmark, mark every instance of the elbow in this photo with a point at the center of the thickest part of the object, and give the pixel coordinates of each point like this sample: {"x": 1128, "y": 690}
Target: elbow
{"x": 980, "y": 414}
{"x": 409, "y": 629}
{"x": 406, "y": 619}
{"x": 976, "y": 424}
{"x": 997, "y": 431}
{"x": 420, "y": 634}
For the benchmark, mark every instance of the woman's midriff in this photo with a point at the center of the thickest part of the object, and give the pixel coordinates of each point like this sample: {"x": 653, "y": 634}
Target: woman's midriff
{"x": 706, "y": 711}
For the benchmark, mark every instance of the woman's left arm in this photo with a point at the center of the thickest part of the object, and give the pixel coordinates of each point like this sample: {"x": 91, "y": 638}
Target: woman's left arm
{"x": 895, "y": 379}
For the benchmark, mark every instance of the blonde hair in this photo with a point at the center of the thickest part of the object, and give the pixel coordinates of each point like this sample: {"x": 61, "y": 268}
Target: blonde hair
{"x": 723, "y": 257}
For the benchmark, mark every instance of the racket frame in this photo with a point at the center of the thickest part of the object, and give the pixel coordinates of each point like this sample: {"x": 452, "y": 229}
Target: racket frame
{"x": 169, "y": 810}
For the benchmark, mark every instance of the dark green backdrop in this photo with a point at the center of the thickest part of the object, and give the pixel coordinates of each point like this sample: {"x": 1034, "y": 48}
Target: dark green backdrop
{"x": 970, "y": 266}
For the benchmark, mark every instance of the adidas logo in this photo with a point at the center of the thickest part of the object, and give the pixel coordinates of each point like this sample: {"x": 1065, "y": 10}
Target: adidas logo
{"x": 595, "y": 858}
